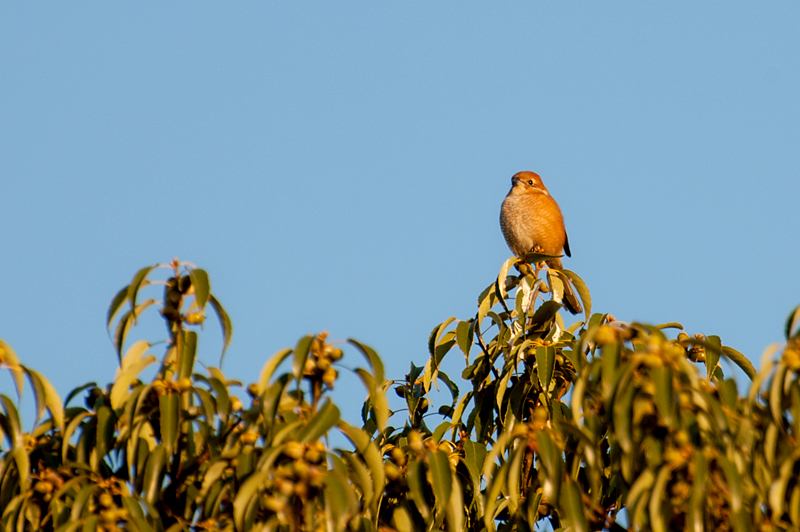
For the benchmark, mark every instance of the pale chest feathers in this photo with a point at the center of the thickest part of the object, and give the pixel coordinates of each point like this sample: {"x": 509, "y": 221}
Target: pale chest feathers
{"x": 530, "y": 220}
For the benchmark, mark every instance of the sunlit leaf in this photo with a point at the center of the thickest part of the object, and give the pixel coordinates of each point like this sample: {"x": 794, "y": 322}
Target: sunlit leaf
{"x": 225, "y": 323}
{"x": 545, "y": 362}
{"x": 301, "y": 352}
{"x": 168, "y": 409}
{"x": 325, "y": 418}
{"x": 139, "y": 281}
{"x": 583, "y": 291}
{"x": 202, "y": 287}
{"x": 9, "y": 359}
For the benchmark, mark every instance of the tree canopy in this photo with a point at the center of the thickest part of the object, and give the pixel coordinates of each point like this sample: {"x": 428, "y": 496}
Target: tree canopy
{"x": 601, "y": 425}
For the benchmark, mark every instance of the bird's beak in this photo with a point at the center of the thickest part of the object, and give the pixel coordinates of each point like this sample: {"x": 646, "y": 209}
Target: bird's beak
{"x": 515, "y": 181}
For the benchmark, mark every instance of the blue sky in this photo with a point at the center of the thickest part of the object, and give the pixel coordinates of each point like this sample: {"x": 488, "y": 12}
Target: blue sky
{"x": 340, "y": 166}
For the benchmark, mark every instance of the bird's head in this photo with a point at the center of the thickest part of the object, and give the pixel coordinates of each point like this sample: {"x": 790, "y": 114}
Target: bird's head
{"x": 528, "y": 182}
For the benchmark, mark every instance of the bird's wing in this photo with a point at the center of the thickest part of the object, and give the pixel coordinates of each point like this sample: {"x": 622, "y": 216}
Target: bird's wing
{"x": 566, "y": 245}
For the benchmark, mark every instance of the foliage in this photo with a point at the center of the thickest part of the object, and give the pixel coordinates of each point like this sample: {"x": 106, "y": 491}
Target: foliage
{"x": 602, "y": 425}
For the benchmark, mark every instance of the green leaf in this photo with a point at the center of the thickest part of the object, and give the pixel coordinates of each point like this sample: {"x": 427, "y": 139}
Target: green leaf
{"x": 246, "y": 498}
{"x": 712, "y": 356}
{"x": 154, "y": 474}
{"x": 202, "y": 287}
{"x": 372, "y": 357}
{"x": 270, "y": 367}
{"x": 139, "y": 281}
{"x": 658, "y": 498}
{"x": 415, "y": 477}
{"x": 115, "y": 305}
{"x": 791, "y": 323}
{"x": 440, "y": 430}
{"x": 501, "y": 277}
{"x": 47, "y": 396}
{"x": 545, "y": 362}
{"x": 662, "y": 378}
{"x": 225, "y": 322}
{"x": 474, "y": 457}
{"x": 301, "y": 351}
{"x": 740, "y": 360}
{"x": 583, "y": 291}
{"x": 369, "y": 451}
{"x": 105, "y": 431}
{"x": 670, "y": 325}
{"x": 10, "y": 360}
{"x": 124, "y": 325}
{"x": 168, "y": 408}
{"x": 441, "y": 479}
{"x": 465, "y": 331}
{"x": 71, "y": 427}
{"x": 132, "y": 365}
{"x": 575, "y": 514}
{"x": 320, "y": 424}
{"x": 188, "y": 355}
{"x": 534, "y": 258}
{"x": 553, "y": 464}
{"x": 361, "y": 476}
{"x": 697, "y": 500}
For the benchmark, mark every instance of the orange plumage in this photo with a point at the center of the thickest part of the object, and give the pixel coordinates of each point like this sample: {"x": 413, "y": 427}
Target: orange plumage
{"x": 532, "y": 221}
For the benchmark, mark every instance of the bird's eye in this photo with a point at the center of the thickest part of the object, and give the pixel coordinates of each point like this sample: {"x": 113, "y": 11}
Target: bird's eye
{"x": 530, "y": 182}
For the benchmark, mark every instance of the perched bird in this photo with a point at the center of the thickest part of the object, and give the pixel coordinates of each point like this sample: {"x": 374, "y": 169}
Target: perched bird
{"x": 532, "y": 222}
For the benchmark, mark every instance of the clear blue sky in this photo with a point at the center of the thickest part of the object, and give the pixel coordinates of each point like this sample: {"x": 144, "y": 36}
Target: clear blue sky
{"x": 340, "y": 166}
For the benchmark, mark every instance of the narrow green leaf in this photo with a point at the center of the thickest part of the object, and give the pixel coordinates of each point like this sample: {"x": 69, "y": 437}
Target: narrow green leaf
{"x": 71, "y": 427}
{"x": 545, "y": 362}
{"x": 553, "y": 464}
{"x": 225, "y": 322}
{"x": 791, "y": 322}
{"x": 501, "y": 277}
{"x": 188, "y": 355}
{"x": 740, "y": 360}
{"x": 154, "y": 474}
{"x": 455, "y": 506}
{"x": 376, "y": 396}
{"x": 246, "y": 497}
{"x": 168, "y": 408}
{"x": 10, "y": 360}
{"x": 697, "y": 500}
{"x": 120, "y": 390}
{"x": 361, "y": 476}
{"x": 401, "y": 520}
{"x": 301, "y": 351}
{"x": 38, "y": 392}
{"x": 658, "y": 498}
{"x": 415, "y": 478}
{"x": 662, "y": 378}
{"x": 583, "y": 291}
{"x": 534, "y": 258}
{"x": 79, "y": 502}
{"x": 369, "y": 451}
{"x": 115, "y": 305}
{"x": 372, "y": 357}
{"x": 270, "y": 367}
{"x": 139, "y": 281}
{"x": 202, "y": 287}
{"x": 105, "y": 431}
{"x": 465, "y": 331}
{"x": 575, "y": 514}
{"x": 712, "y": 356}
{"x": 320, "y": 424}
{"x": 474, "y": 457}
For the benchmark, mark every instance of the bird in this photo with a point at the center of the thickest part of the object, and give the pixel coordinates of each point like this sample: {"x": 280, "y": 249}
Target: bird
{"x": 531, "y": 221}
